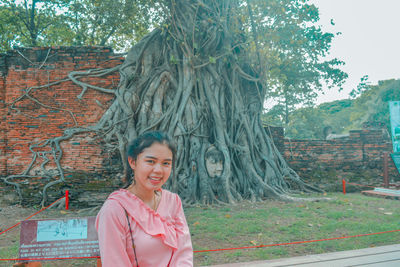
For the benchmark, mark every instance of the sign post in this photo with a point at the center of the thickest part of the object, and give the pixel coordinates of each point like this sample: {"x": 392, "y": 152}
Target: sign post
{"x": 66, "y": 199}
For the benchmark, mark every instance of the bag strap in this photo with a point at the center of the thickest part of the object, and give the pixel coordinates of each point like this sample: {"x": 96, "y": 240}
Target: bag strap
{"x": 133, "y": 243}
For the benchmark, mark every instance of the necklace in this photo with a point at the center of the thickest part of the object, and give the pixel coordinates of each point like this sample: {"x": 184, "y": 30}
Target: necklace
{"x": 154, "y": 204}
{"x": 154, "y": 201}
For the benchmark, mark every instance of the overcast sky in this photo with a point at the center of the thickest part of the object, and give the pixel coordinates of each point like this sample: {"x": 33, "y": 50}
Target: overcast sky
{"x": 369, "y": 43}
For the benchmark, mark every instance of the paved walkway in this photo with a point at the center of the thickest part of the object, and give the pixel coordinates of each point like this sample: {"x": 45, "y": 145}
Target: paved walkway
{"x": 385, "y": 256}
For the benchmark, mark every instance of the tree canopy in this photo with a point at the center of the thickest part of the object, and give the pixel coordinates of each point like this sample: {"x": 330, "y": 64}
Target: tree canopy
{"x": 368, "y": 107}
{"x": 295, "y": 48}
{"x": 119, "y": 23}
{"x": 33, "y": 23}
{"x": 285, "y": 45}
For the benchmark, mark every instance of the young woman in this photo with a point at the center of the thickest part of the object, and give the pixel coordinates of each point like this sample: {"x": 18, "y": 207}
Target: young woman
{"x": 142, "y": 224}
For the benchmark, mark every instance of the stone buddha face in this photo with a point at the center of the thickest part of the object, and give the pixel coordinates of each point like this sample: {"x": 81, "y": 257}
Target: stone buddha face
{"x": 214, "y": 160}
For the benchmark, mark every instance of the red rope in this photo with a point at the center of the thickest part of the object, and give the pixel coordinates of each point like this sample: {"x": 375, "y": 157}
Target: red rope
{"x": 297, "y": 242}
{"x": 37, "y": 259}
{"x": 30, "y": 216}
{"x": 361, "y": 185}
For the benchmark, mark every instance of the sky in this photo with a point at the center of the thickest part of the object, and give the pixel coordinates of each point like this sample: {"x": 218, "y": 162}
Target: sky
{"x": 369, "y": 43}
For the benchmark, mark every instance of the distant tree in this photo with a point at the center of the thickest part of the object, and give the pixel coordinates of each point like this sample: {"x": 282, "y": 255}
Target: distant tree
{"x": 116, "y": 23}
{"x": 373, "y": 104}
{"x": 362, "y": 86}
{"x": 306, "y": 123}
{"x": 275, "y": 116}
{"x": 370, "y": 107}
{"x": 31, "y": 22}
{"x": 7, "y": 29}
{"x": 309, "y": 122}
{"x": 294, "y": 48}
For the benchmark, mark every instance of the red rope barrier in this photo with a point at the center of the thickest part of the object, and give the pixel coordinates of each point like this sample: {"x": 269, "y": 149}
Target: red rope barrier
{"x": 37, "y": 259}
{"x": 31, "y": 216}
{"x": 297, "y": 242}
{"x": 361, "y": 185}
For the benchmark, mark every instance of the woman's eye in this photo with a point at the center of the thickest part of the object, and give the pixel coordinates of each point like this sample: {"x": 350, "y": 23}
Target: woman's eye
{"x": 150, "y": 161}
{"x": 167, "y": 163}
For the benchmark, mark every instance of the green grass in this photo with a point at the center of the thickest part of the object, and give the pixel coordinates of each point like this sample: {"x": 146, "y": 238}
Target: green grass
{"x": 271, "y": 222}
{"x": 8, "y": 252}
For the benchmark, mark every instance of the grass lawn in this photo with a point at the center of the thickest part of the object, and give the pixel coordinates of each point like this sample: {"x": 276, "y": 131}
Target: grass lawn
{"x": 271, "y": 222}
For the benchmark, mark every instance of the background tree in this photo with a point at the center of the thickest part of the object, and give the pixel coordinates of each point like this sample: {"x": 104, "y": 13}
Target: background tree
{"x": 362, "y": 86}
{"x": 295, "y": 50}
{"x": 31, "y": 22}
{"x": 309, "y": 122}
{"x": 372, "y": 104}
{"x": 7, "y": 29}
{"x": 368, "y": 107}
{"x": 115, "y": 23}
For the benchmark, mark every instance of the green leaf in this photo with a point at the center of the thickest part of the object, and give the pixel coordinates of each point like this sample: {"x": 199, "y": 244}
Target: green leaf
{"x": 212, "y": 60}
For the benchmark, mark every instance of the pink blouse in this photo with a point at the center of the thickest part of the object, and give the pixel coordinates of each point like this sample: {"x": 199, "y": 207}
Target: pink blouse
{"x": 161, "y": 237}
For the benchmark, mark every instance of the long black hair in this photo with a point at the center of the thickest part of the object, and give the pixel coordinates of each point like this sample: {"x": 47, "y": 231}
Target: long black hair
{"x": 143, "y": 141}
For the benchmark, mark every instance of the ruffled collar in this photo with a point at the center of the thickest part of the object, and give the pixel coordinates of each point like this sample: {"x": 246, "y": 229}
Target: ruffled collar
{"x": 150, "y": 221}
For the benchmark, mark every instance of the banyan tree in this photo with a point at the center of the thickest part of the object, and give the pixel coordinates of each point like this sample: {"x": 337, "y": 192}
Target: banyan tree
{"x": 194, "y": 78}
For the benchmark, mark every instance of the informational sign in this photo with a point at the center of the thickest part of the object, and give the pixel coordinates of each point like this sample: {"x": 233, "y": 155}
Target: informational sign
{"x": 58, "y": 238}
{"x": 394, "y": 108}
{"x": 396, "y": 160}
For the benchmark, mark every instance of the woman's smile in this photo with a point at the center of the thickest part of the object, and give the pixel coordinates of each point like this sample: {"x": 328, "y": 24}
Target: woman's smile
{"x": 155, "y": 181}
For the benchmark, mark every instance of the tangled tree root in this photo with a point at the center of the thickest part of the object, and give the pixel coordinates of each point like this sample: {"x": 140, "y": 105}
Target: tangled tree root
{"x": 193, "y": 80}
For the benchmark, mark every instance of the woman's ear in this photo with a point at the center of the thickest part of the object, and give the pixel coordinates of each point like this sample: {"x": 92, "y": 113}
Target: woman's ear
{"x": 131, "y": 162}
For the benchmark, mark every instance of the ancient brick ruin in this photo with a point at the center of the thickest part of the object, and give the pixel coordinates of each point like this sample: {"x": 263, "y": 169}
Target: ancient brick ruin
{"x": 357, "y": 157}
{"x": 58, "y": 107}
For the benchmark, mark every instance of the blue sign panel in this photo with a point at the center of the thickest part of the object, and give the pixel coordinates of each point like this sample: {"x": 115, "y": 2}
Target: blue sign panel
{"x": 394, "y": 108}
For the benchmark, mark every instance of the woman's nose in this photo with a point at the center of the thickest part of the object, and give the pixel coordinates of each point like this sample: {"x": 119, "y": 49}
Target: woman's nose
{"x": 157, "y": 168}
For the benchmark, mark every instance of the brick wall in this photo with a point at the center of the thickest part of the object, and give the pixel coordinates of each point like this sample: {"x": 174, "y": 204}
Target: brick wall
{"x": 3, "y": 123}
{"x": 31, "y": 122}
{"x": 277, "y": 135}
{"x": 358, "y": 157}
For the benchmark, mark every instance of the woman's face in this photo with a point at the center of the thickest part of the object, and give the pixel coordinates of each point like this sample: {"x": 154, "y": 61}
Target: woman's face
{"x": 152, "y": 167}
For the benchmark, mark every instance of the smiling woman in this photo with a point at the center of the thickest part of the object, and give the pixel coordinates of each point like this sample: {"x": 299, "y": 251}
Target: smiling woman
{"x": 142, "y": 218}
